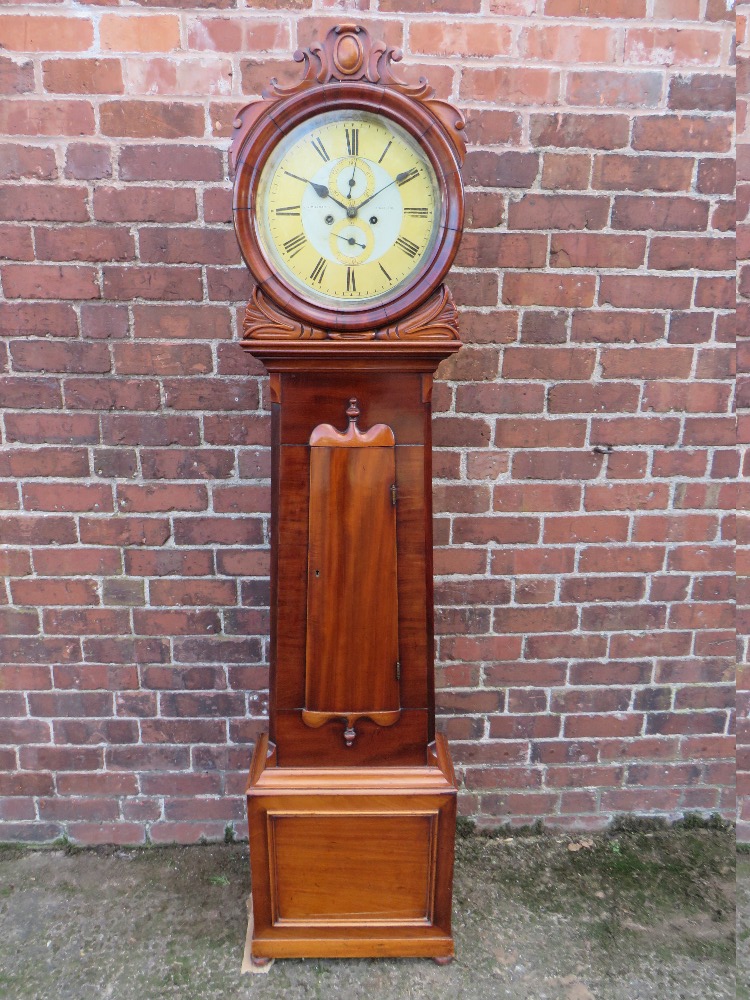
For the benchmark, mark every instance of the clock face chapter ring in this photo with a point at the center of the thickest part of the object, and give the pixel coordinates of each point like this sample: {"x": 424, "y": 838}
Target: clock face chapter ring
{"x": 348, "y": 206}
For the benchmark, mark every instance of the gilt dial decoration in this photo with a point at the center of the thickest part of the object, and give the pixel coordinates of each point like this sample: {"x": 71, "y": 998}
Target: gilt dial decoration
{"x": 347, "y": 208}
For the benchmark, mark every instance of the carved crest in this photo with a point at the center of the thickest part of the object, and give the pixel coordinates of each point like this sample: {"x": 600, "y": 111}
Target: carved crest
{"x": 349, "y": 54}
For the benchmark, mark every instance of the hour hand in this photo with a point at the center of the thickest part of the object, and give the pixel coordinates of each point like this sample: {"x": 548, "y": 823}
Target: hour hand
{"x": 320, "y": 189}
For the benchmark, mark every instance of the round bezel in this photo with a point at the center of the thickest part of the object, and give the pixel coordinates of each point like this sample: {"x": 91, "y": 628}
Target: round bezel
{"x": 424, "y": 129}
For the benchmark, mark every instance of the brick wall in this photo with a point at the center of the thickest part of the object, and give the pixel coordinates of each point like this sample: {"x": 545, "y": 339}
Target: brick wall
{"x": 584, "y": 443}
{"x": 743, "y": 406}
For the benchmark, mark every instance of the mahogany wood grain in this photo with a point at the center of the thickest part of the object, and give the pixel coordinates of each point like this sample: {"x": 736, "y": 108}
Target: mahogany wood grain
{"x": 352, "y": 650}
{"x": 352, "y": 863}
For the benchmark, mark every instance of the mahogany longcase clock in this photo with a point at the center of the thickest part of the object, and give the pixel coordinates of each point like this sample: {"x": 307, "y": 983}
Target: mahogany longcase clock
{"x": 348, "y": 208}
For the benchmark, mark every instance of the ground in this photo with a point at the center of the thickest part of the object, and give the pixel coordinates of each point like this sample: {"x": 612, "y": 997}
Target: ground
{"x": 633, "y": 914}
{"x": 743, "y": 923}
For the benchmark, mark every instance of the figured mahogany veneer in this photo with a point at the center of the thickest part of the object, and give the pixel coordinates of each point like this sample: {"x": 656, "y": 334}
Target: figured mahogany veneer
{"x": 352, "y": 664}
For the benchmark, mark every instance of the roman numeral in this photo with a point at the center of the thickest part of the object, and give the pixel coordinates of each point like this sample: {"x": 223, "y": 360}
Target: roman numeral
{"x": 382, "y": 155}
{"x": 407, "y": 246}
{"x": 288, "y": 210}
{"x": 319, "y": 270}
{"x": 385, "y": 273}
{"x": 406, "y": 176}
{"x": 351, "y": 284}
{"x": 352, "y": 141}
{"x": 417, "y": 213}
{"x": 320, "y": 149}
{"x": 295, "y": 244}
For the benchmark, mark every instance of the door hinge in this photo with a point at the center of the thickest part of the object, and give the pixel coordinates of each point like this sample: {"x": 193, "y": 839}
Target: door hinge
{"x": 398, "y": 670}
{"x": 393, "y": 494}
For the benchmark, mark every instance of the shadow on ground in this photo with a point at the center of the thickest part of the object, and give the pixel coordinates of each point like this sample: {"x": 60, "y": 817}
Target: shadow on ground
{"x": 629, "y": 915}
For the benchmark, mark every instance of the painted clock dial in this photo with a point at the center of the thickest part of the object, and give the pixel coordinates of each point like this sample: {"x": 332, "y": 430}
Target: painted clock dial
{"x": 348, "y": 209}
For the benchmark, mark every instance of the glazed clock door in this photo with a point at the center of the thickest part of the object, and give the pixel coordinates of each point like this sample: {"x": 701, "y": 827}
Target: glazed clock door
{"x": 352, "y": 666}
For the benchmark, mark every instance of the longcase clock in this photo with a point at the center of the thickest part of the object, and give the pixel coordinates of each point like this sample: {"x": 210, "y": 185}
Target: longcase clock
{"x": 348, "y": 208}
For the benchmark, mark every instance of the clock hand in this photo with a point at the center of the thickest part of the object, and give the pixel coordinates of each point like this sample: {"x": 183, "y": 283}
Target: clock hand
{"x": 320, "y": 189}
{"x": 351, "y": 241}
{"x": 396, "y": 180}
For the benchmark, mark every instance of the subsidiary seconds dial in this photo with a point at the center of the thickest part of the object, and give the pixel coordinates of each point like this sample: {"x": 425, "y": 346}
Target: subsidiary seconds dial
{"x": 347, "y": 209}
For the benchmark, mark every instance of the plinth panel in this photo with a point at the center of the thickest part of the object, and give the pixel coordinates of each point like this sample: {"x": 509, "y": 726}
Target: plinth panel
{"x": 352, "y": 868}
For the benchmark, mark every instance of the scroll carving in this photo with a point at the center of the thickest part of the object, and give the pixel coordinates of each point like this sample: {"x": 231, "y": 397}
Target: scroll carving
{"x": 348, "y": 53}
{"x": 265, "y": 321}
{"x": 435, "y": 319}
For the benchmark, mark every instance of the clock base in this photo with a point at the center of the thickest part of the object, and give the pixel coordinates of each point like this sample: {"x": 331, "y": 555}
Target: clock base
{"x": 354, "y": 862}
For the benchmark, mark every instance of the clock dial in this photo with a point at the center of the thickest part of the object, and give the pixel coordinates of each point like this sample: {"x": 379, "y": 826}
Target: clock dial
{"x": 348, "y": 209}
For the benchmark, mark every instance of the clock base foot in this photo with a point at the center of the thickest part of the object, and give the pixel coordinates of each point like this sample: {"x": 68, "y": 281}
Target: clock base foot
{"x": 442, "y": 959}
{"x": 352, "y": 862}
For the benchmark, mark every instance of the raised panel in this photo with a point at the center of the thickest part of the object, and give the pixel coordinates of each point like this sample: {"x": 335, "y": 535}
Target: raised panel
{"x": 352, "y": 868}
{"x": 352, "y": 667}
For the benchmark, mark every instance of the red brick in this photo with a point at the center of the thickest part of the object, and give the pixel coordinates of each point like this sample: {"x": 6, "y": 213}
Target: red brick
{"x": 151, "y": 119}
{"x": 586, "y": 131}
{"x": 539, "y": 211}
{"x": 682, "y": 133}
{"x": 511, "y": 85}
{"x": 67, "y": 496}
{"x": 82, "y": 76}
{"x": 586, "y": 528}
{"x": 60, "y": 356}
{"x": 548, "y": 363}
{"x": 610, "y": 326}
{"x": 591, "y": 250}
{"x": 31, "y": 393}
{"x": 683, "y": 253}
{"x": 40, "y": 117}
{"x": 140, "y": 32}
{"x": 649, "y": 291}
{"x": 702, "y": 92}
{"x": 172, "y": 163}
{"x": 596, "y": 8}
{"x": 188, "y": 246}
{"x": 502, "y": 250}
{"x": 98, "y": 394}
{"x": 29, "y": 33}
{"x": 19, "y": 160}
{"x": 152, "y": 282}
{"x": 144, "y": 204}
{"x": 666, "y": 214}
{"x": 592, "y": 88}
{"x": 45, "y": 281}
{"x": 42, "y": 203}
{"x": 53, "y": 428}
{"x": 90, "y": 243}
{"x": 85, "y": 161}
{"x": 472, "y": 38}
{"x": 621, "y": 172}
{"x": 557, "y": 465}
{"x": 630, "y": 496}
{"x": 566, "y": 172}
{"x": 16, "y": 77}
{"x": 693, "y": 397}
{"x": 510, "y": 169}
{"x": 672, "y": 46}
{"x": 569, "y": 44}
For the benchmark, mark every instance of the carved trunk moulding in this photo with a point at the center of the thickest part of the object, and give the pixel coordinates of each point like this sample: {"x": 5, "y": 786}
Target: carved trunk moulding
{"x": 351, "y": 795}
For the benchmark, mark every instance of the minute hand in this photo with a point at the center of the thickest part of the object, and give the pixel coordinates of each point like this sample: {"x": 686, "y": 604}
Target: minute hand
{"x": 398, "y": 179}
